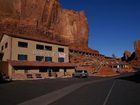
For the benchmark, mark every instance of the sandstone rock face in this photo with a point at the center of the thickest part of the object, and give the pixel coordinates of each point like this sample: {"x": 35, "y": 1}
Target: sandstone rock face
{"x": 73, "y": 27}
{"x": 7, "y": 8}
{"x": 137, "y": 49}
{"x": 127, "y": 55}
{"x": 137, "y": 45}
{"x": 28, "y": 12}
{"x": 44, "y": 17}
{"x": 134, "y": 59}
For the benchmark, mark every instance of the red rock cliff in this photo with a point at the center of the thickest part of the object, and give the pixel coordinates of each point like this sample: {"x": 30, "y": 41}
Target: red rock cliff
{"x": 45, "y": 17}
{"x": 137, "y": 49}
{"x": 73, "y": 27}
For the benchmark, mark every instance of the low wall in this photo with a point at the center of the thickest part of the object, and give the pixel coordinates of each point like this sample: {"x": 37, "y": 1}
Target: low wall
{"x": 35, "y": 74}
{"x": 25, "y": 76}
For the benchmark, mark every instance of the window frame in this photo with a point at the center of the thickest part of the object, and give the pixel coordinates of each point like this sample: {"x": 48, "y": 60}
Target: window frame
{"x": 60, "y": 49}
{"x": 38, "y": 47}
{"x": 61, "y": 59}
{"x": 50, "y": 60}
{"x": 6, "y": 45}
{"x": 38, "y": 59}
{"x": 22, "y": 44}
{"x": 23, "y": 55}
{"x": 48, "y": 48}
{"x": 2, "y": 48}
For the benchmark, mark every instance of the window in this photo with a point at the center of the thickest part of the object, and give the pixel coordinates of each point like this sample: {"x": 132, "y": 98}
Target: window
{"x": 22, "y": 57}
{"x": 60, "y": 59}
{"x": 6, "y": 45}
{"x": 48, "y": 48}
{"x": 2, "y": 48}
{"x": 48, "y": 59}
{"x": 39, "y": 58}
{"x": 40, "y": 47}
{"x": 22, "y": 44}
{"x": 60, "y": 49}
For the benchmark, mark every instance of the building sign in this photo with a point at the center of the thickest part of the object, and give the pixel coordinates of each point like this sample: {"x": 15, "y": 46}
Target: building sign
{"x": 61, "y": 55}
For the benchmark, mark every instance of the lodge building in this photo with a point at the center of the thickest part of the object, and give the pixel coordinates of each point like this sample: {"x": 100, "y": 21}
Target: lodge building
{"x": 24, "y": 56}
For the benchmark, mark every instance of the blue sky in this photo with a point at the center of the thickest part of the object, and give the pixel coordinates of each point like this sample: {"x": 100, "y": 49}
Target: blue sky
{"x": 114, "y": 24}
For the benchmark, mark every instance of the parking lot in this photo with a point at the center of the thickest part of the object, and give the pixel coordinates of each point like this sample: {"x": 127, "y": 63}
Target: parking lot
{"x": 16, "y": 92}
{"x": 119, "y": 90}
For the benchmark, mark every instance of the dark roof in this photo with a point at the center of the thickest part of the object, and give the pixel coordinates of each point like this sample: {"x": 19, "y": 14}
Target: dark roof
{"x": 35, "y": 37}
{"x": 40, "y": 64}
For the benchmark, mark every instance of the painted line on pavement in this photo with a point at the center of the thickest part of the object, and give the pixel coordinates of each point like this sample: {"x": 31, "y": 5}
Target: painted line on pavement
{"x": 58, "y": 94}
{"x": 108, "y": 95}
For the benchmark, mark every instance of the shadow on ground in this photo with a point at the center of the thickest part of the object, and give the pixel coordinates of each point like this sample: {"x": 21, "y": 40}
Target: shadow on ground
{"x": 133, "y": 78}
{"x": 5, "y": 82}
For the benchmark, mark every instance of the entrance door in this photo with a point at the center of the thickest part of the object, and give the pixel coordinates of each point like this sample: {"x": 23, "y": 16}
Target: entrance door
{"x": 42, "y": 69}
{"x": 49, "y": 72}
{"x": 46, "y": 70}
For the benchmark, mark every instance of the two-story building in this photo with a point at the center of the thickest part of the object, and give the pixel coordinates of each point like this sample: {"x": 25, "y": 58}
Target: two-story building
{"x": 26, "y": 56}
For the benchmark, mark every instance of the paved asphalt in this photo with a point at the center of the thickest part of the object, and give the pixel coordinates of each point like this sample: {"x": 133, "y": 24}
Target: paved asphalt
{"x": 123, "y": 90}
{"x": 19, "y": 91}
{"x": 120, "y": 91}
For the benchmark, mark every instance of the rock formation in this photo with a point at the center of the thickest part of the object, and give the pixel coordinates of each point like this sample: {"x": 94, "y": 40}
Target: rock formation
{"x": 137, "y": 52}
{"x": 133, "y": 58}
{"x": 45, "y": 17}
{"x": 137, "y": 48}
{"x": 126, "y": 55}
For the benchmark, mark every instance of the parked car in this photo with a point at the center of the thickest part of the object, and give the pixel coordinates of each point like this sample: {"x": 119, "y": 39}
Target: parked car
{"x": 80, "y": 73}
